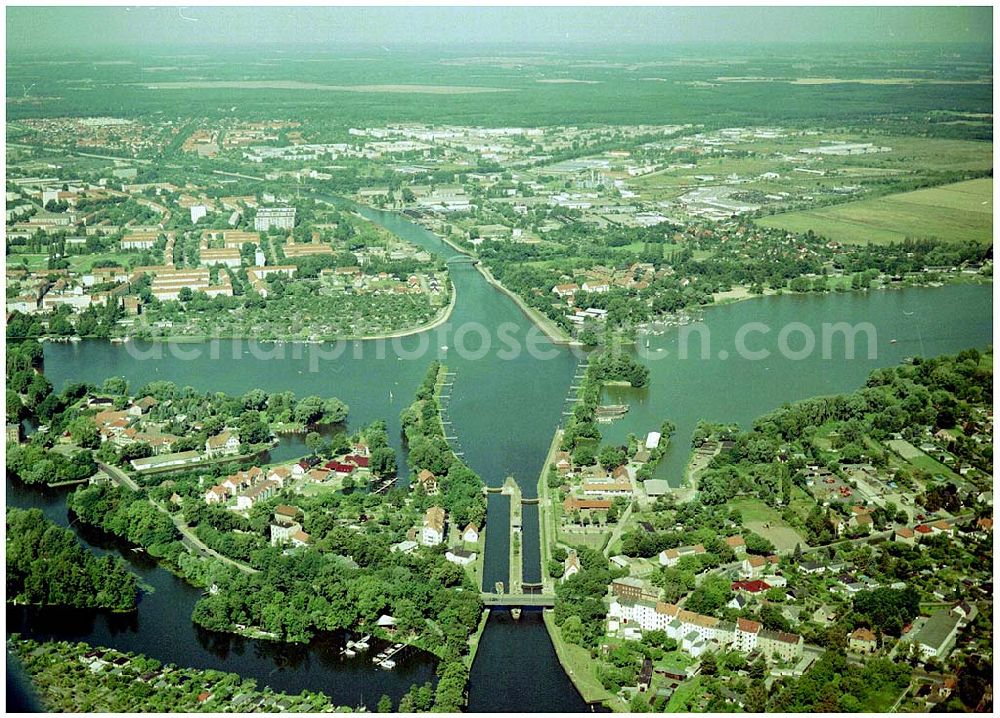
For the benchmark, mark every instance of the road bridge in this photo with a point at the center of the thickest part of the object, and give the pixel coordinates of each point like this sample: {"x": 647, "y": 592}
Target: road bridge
{"x": 521, "y": 600}
{"x": 462, "y": 259}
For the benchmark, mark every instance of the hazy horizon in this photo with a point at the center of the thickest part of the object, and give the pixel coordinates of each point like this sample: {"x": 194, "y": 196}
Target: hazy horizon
{"x": 93, "y": 28}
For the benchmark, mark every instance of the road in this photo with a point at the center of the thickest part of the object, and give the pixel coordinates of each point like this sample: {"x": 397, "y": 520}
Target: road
{"x": 619, "y": 528}
{"x": 195, "y": 545}
{"x": 188, "y": 537}
{"x": 118, "y": 477}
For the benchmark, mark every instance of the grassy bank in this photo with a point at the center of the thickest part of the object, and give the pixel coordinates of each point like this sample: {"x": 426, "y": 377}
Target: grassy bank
{"x": 577, "y": 663}
{"x": 475, "y": 638}
{"x": 555, "y": 334}
{"x": 548, "y": 531}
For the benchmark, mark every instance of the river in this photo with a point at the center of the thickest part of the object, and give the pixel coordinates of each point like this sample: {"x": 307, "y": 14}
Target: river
{"x": 503, "y": 409}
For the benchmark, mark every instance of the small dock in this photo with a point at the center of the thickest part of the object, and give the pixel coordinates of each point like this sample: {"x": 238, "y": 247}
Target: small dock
{"x": 380, "y": 487}
{"x": 386, "y": 659}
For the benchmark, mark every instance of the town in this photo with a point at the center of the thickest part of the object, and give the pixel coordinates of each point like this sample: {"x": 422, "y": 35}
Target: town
{"x": 844, "y": 537}
{"x": 633, "y": 361}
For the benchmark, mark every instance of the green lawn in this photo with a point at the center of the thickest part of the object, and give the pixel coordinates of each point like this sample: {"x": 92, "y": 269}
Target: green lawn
{"x": 957, "y": 212}
{"x": 762, "y": 519}
{"x": 933, "y": 466}
{"x": 685, "y": 692}
{"x": 77, "y": 262}
{"x": 919, "y": 460}
{"x": 676, "y": 661}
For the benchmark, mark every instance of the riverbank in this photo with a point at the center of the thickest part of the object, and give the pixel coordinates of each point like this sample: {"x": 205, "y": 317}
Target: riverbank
{"x": 475, "y": 638}
{"x": 70, "y": 676}
{"x": 577, "y": 664}
{"x": 548, "y": 327}
{"x": 547, "y": 529}
{"x": 443, "y": 315}
{"x": 553, "y": 332}
{"x": 743, "y": 293}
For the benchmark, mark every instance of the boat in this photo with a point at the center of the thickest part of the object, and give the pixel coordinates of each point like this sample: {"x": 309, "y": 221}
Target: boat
{"x": 388, "y": 664}
{"x": 515, "y": 613}
{"x": 498, "y": 587}
{"x": 349, "y": 653}
{"x": 892, "y": 341}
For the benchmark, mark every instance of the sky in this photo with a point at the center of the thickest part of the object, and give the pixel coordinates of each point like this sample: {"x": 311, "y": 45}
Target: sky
{"x": 92, "y": 27}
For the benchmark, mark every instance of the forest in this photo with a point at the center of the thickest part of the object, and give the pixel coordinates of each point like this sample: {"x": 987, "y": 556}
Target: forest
{"x": 613, "y": 365}
{"x": 47, "y": 566}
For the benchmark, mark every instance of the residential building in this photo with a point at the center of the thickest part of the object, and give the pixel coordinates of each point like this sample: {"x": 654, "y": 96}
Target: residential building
{"x": 672, "y": 556}
{"x": 165, "y": 461}
{"x": 634, "y": 589}
{"x": 862, "y": 641}
{"x": 460, "y": 556}
{"x": 258, "y": 492}
{"x": 607, "y": 488}
{"x": 428, "y": 482}
{"x": 226, "y": 443}
{"x": 937, "y": 637}
{"x": 285, "y": 515}
{"x": 779, "y": 645}
{"x": 282, "y": 533}
{"x": 571, "y": 566}
{"x": 280, "y": 217}
{"x": 736, "y": 543}
{"x": 433, "y": 528}
{"x": 755, "y": 566}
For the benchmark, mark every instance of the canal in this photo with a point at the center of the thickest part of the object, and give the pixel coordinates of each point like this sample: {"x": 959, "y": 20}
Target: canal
{"x": 504, "y": 407}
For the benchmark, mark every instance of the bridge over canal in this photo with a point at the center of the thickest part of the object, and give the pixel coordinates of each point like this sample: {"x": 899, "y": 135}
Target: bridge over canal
{"x": 523, "y": 600}
{"x": 462, "y": 259}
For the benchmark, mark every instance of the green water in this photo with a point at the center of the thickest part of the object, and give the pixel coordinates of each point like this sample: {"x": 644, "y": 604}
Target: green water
{"x": 922, "y": 321}
{"x": 504, "y": 407}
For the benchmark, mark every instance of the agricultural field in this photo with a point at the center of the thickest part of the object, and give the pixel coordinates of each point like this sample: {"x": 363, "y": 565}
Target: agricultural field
{"x": 957, "y": 212}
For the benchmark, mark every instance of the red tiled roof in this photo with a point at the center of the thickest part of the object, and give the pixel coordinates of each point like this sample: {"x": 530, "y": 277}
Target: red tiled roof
{"x": 359, "y": 461}
{"x": 572, "y": 503}
{"x": 339, "y": 467}
{"x": 863, "y": 634}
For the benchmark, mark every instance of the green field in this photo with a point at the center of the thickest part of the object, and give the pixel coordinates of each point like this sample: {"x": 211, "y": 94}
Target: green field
{"x": 77, "y": 262}
{"x": 767, "y": 522}
{"x": 956, "y": 212}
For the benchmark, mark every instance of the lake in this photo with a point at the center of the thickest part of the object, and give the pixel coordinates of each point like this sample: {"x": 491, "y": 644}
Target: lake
{"x": 503, "y": 408}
